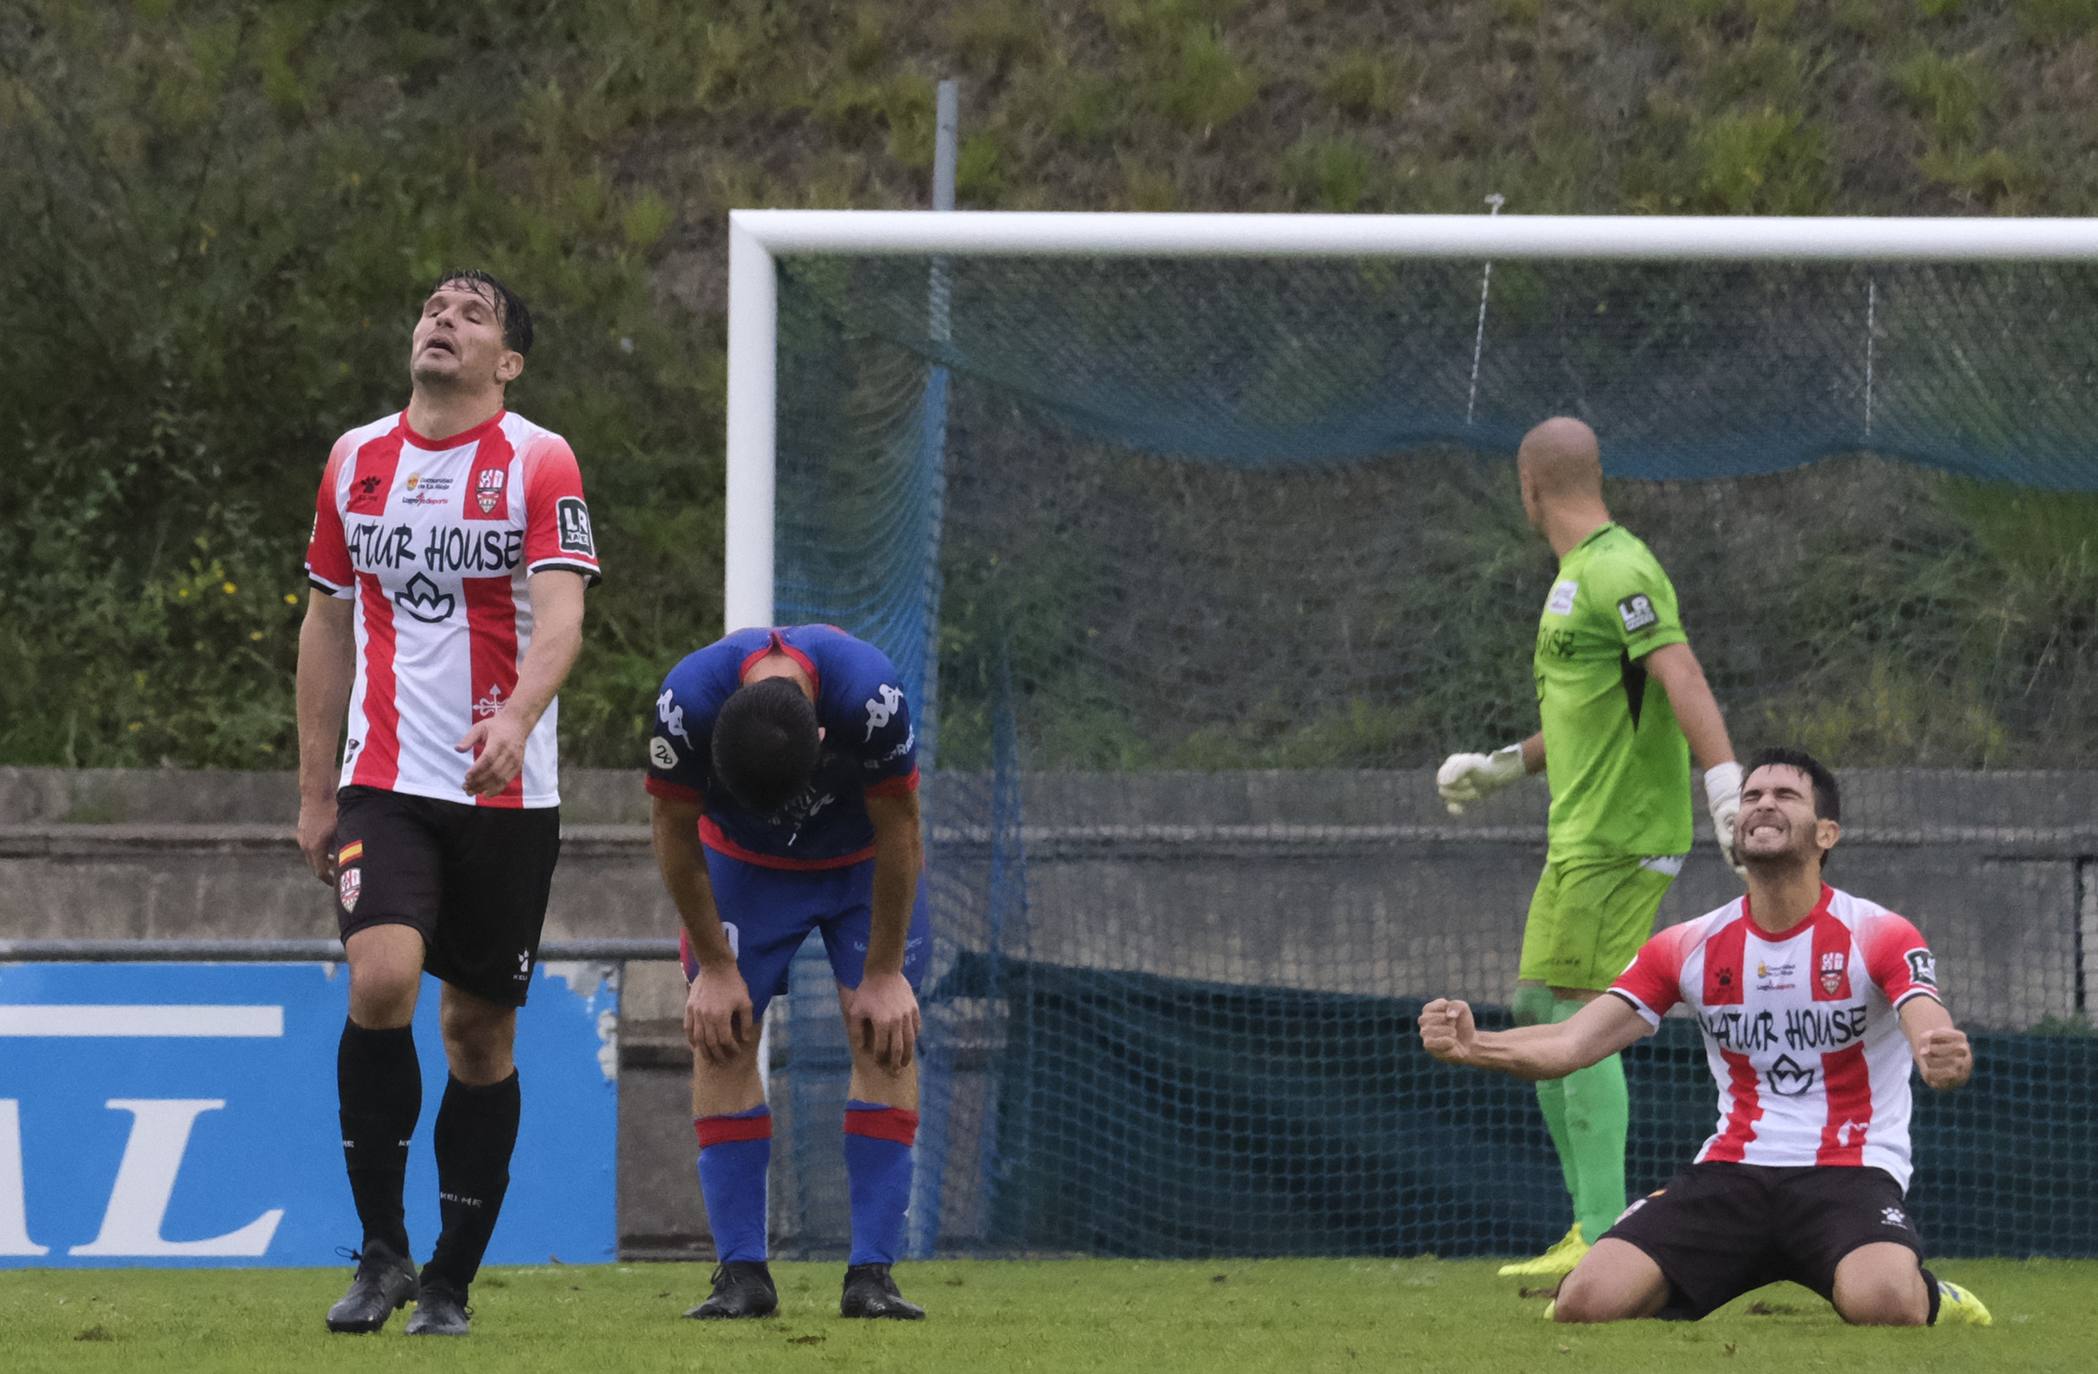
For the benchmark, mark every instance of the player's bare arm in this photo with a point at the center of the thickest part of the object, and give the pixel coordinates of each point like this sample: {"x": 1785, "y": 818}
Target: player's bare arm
{"x": 1942, "y": 1053}
{"x": 1594, "y": 1033}
{"x": 1676, "y": 668}
{"x": 883, "y": 1010}
{"x": 718, "y": 1020}
{"x": 327, "y": 665}
{"x": 497, "y": 743}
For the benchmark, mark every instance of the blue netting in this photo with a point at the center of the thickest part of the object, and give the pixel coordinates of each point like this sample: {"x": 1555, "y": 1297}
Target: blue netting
{"x": 1196, "y": 569}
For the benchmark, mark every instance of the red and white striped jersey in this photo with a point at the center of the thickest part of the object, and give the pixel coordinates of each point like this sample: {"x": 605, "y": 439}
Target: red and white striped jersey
{"x": 434, "y": 539}
{"x": 1800, "y": 1028}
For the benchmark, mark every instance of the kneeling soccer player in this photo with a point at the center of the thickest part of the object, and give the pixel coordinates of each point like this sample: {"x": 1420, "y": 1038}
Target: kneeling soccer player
{"x": 783, "y": 776}
{"x": 1813, "y": 1003}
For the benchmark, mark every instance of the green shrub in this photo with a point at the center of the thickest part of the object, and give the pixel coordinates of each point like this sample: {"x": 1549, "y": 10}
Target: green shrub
{"x": 1765, "y": 162}
{"x": 1946, "y": 91}
{"x": 1328, "y": 173}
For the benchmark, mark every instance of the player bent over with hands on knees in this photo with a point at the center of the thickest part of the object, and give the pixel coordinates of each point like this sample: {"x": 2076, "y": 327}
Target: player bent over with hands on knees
{"x": 783, "y": 780}
{"x": 1813, "y": 1004}
{"x": 1623, "y": 707}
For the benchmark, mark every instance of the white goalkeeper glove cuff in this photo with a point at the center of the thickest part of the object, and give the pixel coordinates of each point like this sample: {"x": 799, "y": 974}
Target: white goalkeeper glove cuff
{"x": 1465, "y": 778}
{"x": 1723, "y": 797}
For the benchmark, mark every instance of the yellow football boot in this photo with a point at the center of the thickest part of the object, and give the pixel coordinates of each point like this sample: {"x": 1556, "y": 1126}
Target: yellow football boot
{"x": 1554, "y": 1263}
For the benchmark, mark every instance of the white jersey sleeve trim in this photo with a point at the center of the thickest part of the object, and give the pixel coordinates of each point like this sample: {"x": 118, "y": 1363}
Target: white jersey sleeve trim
{"x": 1645, "y": 1012}
{"x": 591, "y": 576}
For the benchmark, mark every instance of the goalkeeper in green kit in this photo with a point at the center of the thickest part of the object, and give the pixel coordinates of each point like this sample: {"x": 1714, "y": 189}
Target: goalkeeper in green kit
{"x": 1624, "y": 708}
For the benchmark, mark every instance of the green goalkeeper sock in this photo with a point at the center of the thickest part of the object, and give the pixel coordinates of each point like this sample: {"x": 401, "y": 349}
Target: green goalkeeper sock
{"x": 1598, "y": 1111}
{"x": 1551, "y": 1100}
{"x": 1534, "y": 1006}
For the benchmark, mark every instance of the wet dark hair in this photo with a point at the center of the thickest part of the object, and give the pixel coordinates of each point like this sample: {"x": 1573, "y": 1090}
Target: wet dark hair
{"x": 765, "y": 743}
{"x": 1828, "y": 800}
{"x": 510, "y": 309}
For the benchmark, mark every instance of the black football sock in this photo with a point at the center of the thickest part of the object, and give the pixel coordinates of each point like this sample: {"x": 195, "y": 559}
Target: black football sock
{"x": 380, "y": 1086}
{"x": 1930, "y": 1289}
{"x": 476, "y": 1131}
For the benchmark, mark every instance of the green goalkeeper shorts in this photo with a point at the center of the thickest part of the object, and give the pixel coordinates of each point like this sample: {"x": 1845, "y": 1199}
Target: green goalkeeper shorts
{"x": 1588, "y": 918}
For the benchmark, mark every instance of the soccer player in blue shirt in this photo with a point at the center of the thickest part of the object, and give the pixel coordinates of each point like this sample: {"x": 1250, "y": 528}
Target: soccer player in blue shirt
{"x": 783, "y": 778}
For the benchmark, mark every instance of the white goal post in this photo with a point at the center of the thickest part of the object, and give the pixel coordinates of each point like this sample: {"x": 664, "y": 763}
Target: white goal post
{"x": 758, "y": 237}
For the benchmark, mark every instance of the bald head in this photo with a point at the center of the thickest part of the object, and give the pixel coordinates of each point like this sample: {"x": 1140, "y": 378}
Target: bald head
{"x": 1562, "y": 459}
{"x": 1561, "y": 468}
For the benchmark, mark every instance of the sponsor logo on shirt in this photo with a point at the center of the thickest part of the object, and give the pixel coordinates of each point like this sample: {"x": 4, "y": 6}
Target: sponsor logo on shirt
{"x": 1637, "y": 612}
{"x": 910, "y": 738}
{"x": 1561, "y": 601}
{"x": 421, "y": 599}
{"x": 445, "y": 548}
{"x": 1789, "y": 1078}
{"x": 1769, "y": 979}
{"x": 426, "y": 491}
{"x": 1814, "y": 1029}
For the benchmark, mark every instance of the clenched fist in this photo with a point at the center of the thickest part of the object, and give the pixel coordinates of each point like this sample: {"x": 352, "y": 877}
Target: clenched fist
{"x": 1447, "y": 1030}
{"x": 1943, "y": 1056}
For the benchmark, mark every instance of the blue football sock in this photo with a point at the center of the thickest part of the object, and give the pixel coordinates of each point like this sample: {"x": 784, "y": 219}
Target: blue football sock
{"x": 878, "y": 1142}
{"x": 734, "y": 1153}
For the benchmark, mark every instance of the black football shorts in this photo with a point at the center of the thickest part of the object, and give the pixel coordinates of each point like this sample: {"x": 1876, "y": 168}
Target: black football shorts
{"x": 472, "y": 879}
{"x": 1720, "y": 1230}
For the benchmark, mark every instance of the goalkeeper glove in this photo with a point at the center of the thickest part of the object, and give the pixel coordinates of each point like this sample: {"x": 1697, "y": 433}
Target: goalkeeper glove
{"x": 1723, "y": 796}
{"x": 1465, "y": 778}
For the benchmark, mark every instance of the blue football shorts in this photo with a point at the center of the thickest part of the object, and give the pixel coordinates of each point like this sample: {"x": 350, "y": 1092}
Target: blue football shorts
{"x": 768, "y": 912}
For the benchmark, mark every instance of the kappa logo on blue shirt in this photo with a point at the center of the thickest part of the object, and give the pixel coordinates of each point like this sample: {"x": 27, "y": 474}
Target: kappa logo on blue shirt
{"x": 881, "y": 709}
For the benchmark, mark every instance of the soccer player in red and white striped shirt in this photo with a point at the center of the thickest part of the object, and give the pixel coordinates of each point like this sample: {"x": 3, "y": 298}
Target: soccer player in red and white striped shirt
{"x": 1813, "y": 1004}
{"x": 450, "y": 549}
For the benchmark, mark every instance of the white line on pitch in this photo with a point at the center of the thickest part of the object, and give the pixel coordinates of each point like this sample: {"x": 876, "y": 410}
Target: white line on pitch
{"x": 84, "y": 1020}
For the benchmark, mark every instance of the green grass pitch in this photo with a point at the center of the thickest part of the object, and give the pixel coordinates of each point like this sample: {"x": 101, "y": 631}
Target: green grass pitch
{"x": 1201, "y": 1318}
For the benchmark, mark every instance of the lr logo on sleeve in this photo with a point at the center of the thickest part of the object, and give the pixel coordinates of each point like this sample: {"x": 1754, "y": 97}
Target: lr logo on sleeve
{"x": 1637, "y": 613}
{"x": 573, "y": 518}
{"x": 1923, "y": 968}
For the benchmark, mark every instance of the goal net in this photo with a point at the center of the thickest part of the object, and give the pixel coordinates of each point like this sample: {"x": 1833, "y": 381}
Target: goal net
{"x": 1198, "y": 543}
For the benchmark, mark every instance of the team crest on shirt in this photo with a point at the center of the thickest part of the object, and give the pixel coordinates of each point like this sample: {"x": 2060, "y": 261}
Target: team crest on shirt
{"x": 1562, "y": 598}
{"x": 1832, "y": 965}
{"x": 488, "y": 489}
{"x": 349, "y": 885}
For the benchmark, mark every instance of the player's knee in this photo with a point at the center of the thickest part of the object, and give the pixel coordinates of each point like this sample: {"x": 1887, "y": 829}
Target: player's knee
{"x": 383, "y": 997}
{"x": 477, "y": 1042}
{"x": 1580, "y": 1300}
{"x": 1888, "y": 1300}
